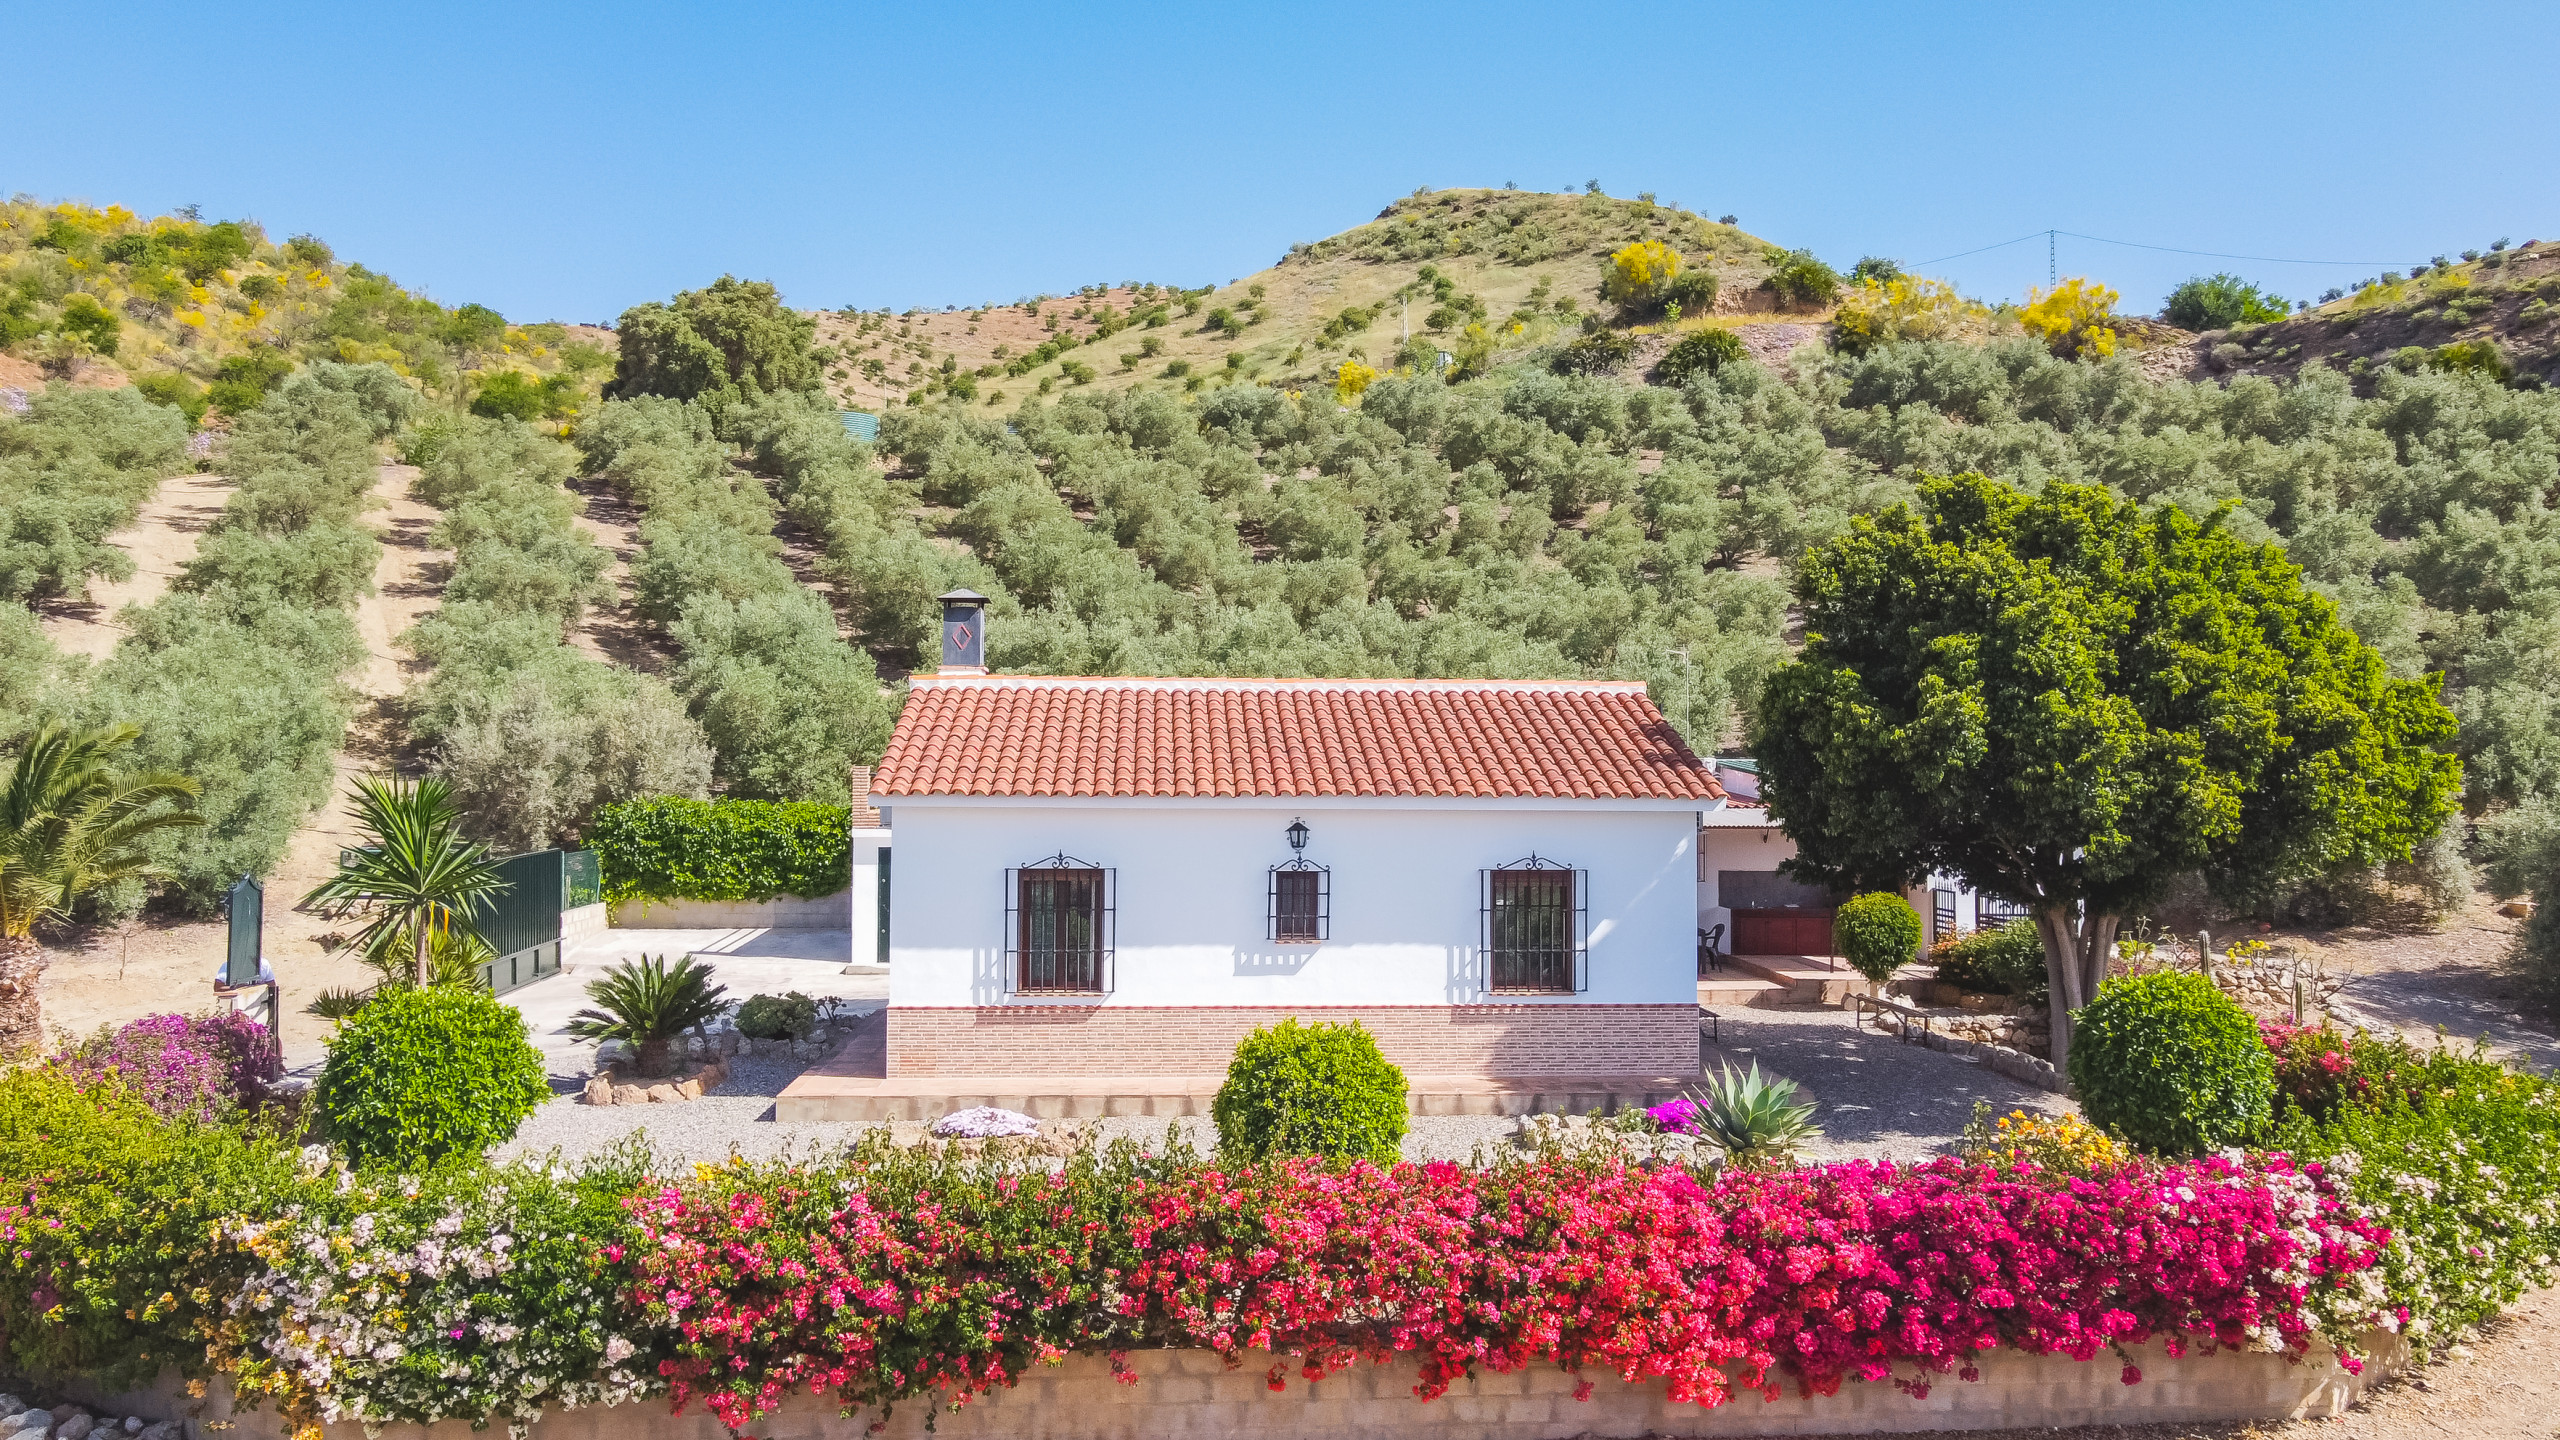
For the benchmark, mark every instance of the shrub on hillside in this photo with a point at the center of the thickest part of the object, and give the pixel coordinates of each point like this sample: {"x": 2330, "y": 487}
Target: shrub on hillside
{"x": 1320, "y": 1089}
{"x": 183, "y": 1067}
{"x": 1694, "y": 291}
{"x": 2003, "y": 960}
{"x": 2218, "y": 302}
{"x": 420, "y": 1076}
{"x": 1599, "y": 353}
{"x": 676, "y": 849}
{"x": 1878, "y": 933}
{"x": 1700, "y": 352}
{"x": 1800, "y": 279}
{"x": 1637, "y": 275}
{"x": 2172, "y": 1064}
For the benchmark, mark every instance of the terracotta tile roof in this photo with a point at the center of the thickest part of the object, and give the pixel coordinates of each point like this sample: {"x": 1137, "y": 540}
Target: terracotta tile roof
{"x": 1036, "y": 735}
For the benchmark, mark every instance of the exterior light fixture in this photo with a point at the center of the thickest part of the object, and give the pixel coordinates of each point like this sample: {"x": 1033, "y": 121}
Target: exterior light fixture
{"x": 1298, "y": 836}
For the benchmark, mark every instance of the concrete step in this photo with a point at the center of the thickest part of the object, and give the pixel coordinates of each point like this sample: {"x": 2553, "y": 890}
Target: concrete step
{"x": 1808, "y": 979}
{"x": 1733, "y": 988}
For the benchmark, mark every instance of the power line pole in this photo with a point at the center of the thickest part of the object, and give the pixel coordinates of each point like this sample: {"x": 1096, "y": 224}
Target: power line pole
{"x": 2048, "y": 260}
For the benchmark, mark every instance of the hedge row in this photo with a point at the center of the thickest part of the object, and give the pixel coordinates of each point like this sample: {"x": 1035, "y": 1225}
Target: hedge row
{"x": 677, "y": 849}
{"x": 2419, "y": 1192}
{"x": 533, "y": 733}
{"x": 74, "y": 468}
{"x": 788, "y": 706}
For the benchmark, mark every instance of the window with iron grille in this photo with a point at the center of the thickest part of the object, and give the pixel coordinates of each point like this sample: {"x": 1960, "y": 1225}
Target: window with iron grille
{"x": 1534, "y": 912}
{"x": 1058, "y": 925}
{"x": 1301, "y": 909}
{"x": 1990, "y": 912}
{"x": 1942, "y": 915}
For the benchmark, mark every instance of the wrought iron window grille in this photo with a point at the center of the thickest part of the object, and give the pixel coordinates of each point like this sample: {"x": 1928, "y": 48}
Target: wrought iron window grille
{"x": 1299, "y": 908}
{"x": 1060, "y": 922}
{"x": 1534, "y": 925}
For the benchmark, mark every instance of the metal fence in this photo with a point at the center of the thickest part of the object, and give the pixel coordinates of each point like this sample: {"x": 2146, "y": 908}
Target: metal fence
{"x": 523, "y": 923}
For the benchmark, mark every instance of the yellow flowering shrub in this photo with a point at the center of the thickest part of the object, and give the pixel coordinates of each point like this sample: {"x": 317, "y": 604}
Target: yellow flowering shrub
{"x": 1907, "y": 307}
{"x": 2064, "y": 1144}
{"x": 1638, "y": 272}
{"x": 2071, "y": 318}
{"x": 1350, "y": 379}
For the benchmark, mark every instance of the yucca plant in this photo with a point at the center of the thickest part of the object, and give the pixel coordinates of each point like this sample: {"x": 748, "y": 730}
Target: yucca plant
{"x": 1752, "y": 1117}
{"x": 417, "y": 879}
{"x": 646, "y": 1004}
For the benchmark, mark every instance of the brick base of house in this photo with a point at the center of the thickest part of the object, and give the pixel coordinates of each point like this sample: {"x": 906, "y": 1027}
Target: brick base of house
{"x": 1532, "y": 1040}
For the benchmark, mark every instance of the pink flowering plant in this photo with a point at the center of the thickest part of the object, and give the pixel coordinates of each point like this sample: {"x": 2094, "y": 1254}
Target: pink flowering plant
{"x": 184, "y": 1067}
{"x": 777, "y": 1278}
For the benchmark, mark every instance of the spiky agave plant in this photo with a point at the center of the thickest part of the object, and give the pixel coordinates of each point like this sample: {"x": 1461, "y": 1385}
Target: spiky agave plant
{"x": 1752, "y": 1117}
{"x": 646, "y": 1004}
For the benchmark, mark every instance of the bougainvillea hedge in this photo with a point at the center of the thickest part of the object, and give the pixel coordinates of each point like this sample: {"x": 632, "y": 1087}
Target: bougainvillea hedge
{"x": 886, "y": 1275}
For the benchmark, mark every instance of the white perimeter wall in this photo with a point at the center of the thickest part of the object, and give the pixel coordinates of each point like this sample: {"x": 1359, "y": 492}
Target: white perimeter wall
{"x": 1192, "y": 898}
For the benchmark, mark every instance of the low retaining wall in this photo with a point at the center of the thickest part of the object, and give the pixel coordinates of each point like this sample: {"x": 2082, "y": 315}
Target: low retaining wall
{"x": 783, "y": 912}
{"x": 579, "y": 920}
{"x": 1183, "y": 1394}
{"x": 1537, "y": 1039}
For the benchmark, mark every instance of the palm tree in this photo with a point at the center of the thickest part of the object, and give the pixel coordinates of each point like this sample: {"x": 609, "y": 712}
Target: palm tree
{"x": 417, "y": 878}
{"x": 69, "y": 823}
{"x": 647, "y": 1005}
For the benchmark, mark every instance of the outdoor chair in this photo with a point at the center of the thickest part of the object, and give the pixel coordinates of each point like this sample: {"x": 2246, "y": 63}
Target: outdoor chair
{"x": 1710, "y": 950}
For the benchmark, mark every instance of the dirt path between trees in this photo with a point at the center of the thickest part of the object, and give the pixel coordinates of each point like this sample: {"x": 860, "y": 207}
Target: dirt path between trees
{"x": 161, "y": 540}
{"x": 114, "y": 975}
{"x": 617, "y": 635}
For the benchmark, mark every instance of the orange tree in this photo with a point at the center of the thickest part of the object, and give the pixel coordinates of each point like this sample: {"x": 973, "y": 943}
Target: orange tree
{"x": 2069, "y": 702}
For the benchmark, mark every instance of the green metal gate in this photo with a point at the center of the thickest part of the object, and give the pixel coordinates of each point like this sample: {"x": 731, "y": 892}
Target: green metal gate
{"x": 523, "y": 925}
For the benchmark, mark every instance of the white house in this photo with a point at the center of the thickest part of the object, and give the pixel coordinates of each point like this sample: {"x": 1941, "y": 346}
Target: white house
{"x": 1124, "y": 876}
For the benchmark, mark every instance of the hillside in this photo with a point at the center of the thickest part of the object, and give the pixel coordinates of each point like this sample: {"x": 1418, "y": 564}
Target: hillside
{"x": 1549, "y": 504}
{"x": 2508, "y": 299}
{"x": 1524, "y": 264}
{"x": 212, "y": 314}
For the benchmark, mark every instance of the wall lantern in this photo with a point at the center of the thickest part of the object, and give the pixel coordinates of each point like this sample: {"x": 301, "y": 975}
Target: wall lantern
{"x": 1298, "y": 836}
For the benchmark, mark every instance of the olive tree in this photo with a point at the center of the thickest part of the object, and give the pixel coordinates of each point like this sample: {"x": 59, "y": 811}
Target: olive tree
{"x": 733, "y": 335}
{"x": 2070, "y": 701}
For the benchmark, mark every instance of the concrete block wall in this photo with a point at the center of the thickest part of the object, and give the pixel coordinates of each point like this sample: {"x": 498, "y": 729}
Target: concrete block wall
{"x": 783, "y": 912}
{"x": 1524, "y": 1039}
{"x": 1193, "y": 1395}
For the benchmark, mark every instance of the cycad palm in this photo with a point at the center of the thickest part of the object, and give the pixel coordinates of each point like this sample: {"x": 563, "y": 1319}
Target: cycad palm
{"x": 646, "y": 1003}
{"x": 69, "y": 823}
{"x": 417, "y": 876}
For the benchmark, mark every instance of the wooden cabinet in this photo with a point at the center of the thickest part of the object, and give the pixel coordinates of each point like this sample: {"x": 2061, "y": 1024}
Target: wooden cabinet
{"x": 1792, "y": 931}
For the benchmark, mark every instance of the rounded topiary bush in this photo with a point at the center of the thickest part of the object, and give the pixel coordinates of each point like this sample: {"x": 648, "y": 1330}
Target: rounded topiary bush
{"x": 419, "y": 1075}
{"x": 2171, "y": 1064}
{"x": 1878, "y": 933}
{"x": 1319, "y": 1089}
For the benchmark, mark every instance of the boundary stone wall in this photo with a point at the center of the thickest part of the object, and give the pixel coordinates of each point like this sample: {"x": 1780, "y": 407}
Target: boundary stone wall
{"x": 1192, "y": 1395}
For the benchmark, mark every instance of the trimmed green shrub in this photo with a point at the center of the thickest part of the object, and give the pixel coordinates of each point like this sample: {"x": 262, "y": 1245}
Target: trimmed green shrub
{"x": 1320, "y": 1089}
{"x": 420, "y": 1076}
{"x": 1878, "y": 933}
{"x": 2172, "y": 1064}
{"x": 787, "y": 1016}
{"x": 675, "y": 849}
{"x": 2005, "y": 960}
{"x": 1700, "y": 352}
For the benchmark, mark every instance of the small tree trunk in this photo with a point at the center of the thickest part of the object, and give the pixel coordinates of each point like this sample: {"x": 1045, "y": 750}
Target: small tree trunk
{"x": 418, "y": 931}
{"x": 2076, "y": 951}
{"x": 652, "y": 1059}
{"x": 22, "y": 963}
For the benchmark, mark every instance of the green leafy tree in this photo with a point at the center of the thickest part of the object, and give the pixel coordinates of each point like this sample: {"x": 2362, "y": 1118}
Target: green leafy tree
{"x": 2218, "y": 302}
{"x": 69, "y": 823}
{"x": 415, "y": 876}
{"x": 508, "y": 395}
{"x": 735, "y": 335}
{"x": 2071, "y": 702}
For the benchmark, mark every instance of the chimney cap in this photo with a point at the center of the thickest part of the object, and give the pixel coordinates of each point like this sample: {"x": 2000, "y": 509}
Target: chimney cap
{"x": 962, "y": 597}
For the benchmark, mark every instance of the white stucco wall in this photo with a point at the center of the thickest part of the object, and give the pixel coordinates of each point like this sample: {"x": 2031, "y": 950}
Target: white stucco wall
{"x": 1192, "y": 887}
{"x": 867, "y": 845}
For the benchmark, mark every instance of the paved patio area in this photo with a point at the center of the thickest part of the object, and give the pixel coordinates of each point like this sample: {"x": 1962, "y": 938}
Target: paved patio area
{"x": 748, "y": 962}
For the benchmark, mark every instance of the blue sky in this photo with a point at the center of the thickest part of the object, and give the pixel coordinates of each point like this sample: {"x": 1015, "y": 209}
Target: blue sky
{"x": 563, "y": 162}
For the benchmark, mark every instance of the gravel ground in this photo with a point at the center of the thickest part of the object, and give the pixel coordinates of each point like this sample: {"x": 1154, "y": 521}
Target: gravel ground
{"x": 1876, "y": 1097}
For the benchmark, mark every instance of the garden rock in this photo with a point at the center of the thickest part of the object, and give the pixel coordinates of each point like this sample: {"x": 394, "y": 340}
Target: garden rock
{"x": 599, "y": 1091}
{"x": 75, "y": 1426}
{"x": 27, "y": 1425}
{"x": 11, "y": 1405}
{"x": 164, "y": 1430}
{"x": 133, "y": 1424}
{"x": 663, "y": 1095}
{"x": 630, "y": 1095}
{"x": 612, "y": 1089}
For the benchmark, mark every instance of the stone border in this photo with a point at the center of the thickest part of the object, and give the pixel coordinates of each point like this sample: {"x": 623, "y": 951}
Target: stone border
{"x": 1182, "y": 1394}
{"x": 611, "y": 1088}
